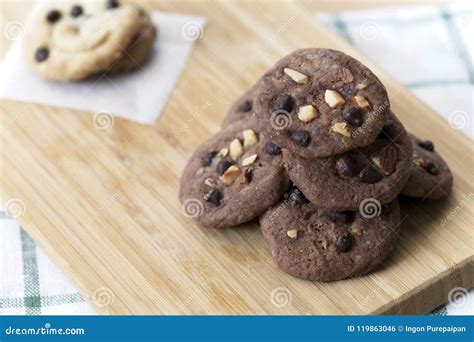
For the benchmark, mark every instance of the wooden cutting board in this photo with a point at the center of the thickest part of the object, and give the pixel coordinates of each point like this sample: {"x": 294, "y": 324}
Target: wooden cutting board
{"x": 104, "y": 206}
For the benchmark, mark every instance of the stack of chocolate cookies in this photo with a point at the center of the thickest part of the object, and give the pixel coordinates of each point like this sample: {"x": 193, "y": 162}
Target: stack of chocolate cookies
{"x": 314, "y": 151}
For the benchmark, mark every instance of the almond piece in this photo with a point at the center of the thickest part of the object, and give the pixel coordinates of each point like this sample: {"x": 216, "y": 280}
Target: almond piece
{"x": 230, "y": 174}
{"x": 249, "y": 160}
{"x": 210, "y": 182}
{"x": 296, "y": 76}
{"x": 333, "y": 98}
{"x": 307, "y": 113}
{"x": 224, "y": 152}
{"x": 342, "y": 129}
{"x": 361, "y": 102}
{"x": 292, "y": 233}
{"x": 235, "y": 149}
{"x": 357, "y": 231}
{"x": 250, "y": 138}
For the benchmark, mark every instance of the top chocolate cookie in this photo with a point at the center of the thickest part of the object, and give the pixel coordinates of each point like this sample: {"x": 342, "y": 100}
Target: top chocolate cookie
{"x": 71, "y": 40}
{"x": 321, "y": 102}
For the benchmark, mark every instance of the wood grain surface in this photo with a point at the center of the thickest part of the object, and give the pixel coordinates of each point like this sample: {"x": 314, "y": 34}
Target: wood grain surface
{"x": 103, "y": 203}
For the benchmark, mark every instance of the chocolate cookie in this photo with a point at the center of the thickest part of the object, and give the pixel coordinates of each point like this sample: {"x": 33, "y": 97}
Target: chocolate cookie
{"x": 378, "y": 171}
{"x": 320, "y": 102}
{"x": 137, "y": 53}
{"x": 324, "y": 245}
{"x": 233, "y": 177}
{"x": 241, "y": 108}
{"x": 71, "y": 40}
{"x": 430, "y": 176}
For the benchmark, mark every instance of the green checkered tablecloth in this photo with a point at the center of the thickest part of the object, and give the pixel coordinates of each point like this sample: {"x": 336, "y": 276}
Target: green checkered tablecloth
{"x": 426, "y": 48}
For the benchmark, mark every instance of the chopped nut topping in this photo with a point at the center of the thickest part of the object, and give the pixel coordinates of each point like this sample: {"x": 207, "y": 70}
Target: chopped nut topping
{"x": 333, "y": 98}
{"x": 249, "y": 160}
{"x": 357, "y": 231}
{"x": 361, "y": 102}
{"x": 387, "y": 160}
{"x": 341, "y": 128}
{"x": 224, "y": 152}
{"x": 419, "y": 162}
{"x": 230, "y": 174}
{"x": 250, "y": 138}
{"x": 323, "y": 243}
{"x": 296, "y": 76}
{"x": 235, "y": 149}
{"x": 307, "y": 113}
{"x": 377, "y": 162}
{"x": 210, "y": 182}
{"x": 292, "y": 234}
{"x": 362, "y": 85}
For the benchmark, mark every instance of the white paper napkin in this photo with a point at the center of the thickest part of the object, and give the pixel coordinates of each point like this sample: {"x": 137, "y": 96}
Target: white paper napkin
{"x": 138, "y": 96}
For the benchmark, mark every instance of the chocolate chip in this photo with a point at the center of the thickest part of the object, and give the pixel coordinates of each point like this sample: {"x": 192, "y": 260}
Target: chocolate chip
{"x": 344, "y": 243}
{"x": 76, "y": 11}
{"x": 214, "y": 196}
{"x": 112, "y": 4}
{"x": 222, "y": 166}
{"x": 431, "y": 168}
{"x": 207, "y": 159}
{"x": 369, "y": 175}
{"x": 388, "y": 130}
{"x": 53, "y": 16}
{"x": 272, "y": 149}
{"x": 353, "y": 116}
{"x": 346, "y": 167}
{"x": 344, "y": 217}
{"x": 245, "y": 106}
{"x": 297, "y": 196}
{"x": 427, "y": 145}
{"x": 41, "y": 54}
{"x": 348, "y": 90}
{"x": 248, "y": 175}
{"x": 284, "y": 102}
{"x": 301, "y": 138}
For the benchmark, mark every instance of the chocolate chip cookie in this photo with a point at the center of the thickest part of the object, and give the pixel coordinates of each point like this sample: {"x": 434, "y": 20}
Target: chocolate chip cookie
{"x": 325, "y": 245}
{"x": 320, "y": 102}
{"x": 137, "y": 53}
{"x": 233, "y": 177}
{"x": 430, "y": 176}
{"x": 378, "y": 171}
{"x": 71, "y": 40}
{"x": 241, "y": 108}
